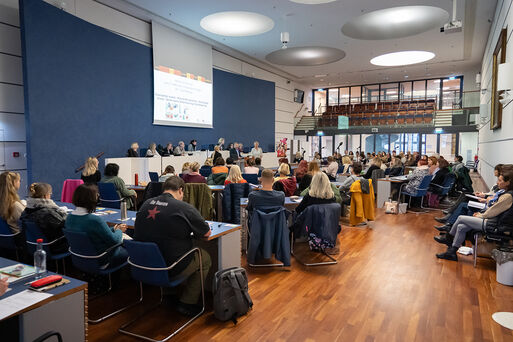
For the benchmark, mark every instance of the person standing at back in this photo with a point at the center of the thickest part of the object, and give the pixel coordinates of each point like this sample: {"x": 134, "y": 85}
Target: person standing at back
{"x": 170, "y": 223}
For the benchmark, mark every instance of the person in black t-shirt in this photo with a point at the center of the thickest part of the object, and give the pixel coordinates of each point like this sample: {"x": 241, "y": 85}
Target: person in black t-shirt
{"x": 169, "y": 222}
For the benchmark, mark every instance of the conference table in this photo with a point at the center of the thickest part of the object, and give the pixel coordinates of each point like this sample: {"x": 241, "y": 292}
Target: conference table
{"x": 224, "y": 242}
{"x": 27, "y": 314}
{"x": 384, "y": 188}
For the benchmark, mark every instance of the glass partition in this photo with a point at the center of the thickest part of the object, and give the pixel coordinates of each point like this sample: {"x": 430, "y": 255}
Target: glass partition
{"x": 319, "y": 101}
{"x": 419, "y": 90}
{"x": 355, "y": 94}
{"x": 370, "y": 93}
{"x": 333, "y": 97}
{"x": 433, "y": 89}
{"x": 382, "y": 143}
{"x": 389, "y": 92}
{"x": 405, "y": 91}
{"x": 343, "y": 96}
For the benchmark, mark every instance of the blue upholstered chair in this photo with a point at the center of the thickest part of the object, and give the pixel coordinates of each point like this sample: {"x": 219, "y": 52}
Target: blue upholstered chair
{"x": 231, "y": 201}
{"x": 420, "y": 191}
{"x": 109, "y": 196}
{"x": 148, "y": 266}
{"x": 33, "y": 233}
{"x": 85, "y": 258}
{"x": 154, "y": 176}
{"x": 8, "y": 238}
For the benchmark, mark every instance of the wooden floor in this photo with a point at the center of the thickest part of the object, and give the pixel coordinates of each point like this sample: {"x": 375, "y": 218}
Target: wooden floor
{"x": 387, "y": 286}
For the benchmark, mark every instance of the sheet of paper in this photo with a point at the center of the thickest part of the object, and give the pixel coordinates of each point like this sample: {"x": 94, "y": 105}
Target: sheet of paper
{"x": 19, "y": 301}
{"x": 477, "y": 205}
{"x": 473, "y": 197}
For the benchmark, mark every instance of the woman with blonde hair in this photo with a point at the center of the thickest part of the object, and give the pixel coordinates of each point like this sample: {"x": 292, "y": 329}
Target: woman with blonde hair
{"x": 194, "y": 176}
{"x": 91, "y": 174}
{"x": 284, "y": 171}
{"x": 320, "y": 192}
{"x": 10, "y": 205}
{"x": 216, "y": 153}
{"x": 346, "y": 162}
{"x": 46, "y": 215}
{"x": 132, "y": 151}
{"x": 186, "y": 168}
{"x": 234, "y": 176}
{"x": 152, "y": 150}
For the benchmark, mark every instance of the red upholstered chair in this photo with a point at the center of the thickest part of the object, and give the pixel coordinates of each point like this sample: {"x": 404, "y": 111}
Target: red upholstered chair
{"x": 68, "y": 188}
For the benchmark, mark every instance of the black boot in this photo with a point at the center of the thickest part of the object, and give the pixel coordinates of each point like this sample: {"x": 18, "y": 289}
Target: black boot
{"x": 443, "y": 219}
{"x": 444, "y": 228}
{"x": 450, "y": 254}
{"x": 444, "y": 239}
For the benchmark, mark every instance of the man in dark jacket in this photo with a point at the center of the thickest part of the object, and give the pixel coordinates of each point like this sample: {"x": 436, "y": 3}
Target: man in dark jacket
{"x": 234, "y": 152}
{"x": 169, "y": 222}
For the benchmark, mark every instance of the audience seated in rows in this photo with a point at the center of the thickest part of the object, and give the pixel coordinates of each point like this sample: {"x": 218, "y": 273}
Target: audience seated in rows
{"x": 10, "y": 205}
{"x": 168, "y": 172}
{"x": 100, "y": 234}
{"x": 193, "y": 176}
{"x": 170, "y": 223}
{"x": 91, "y": 174}
{"x": 110, "y": 175}
{"x": 46, "y": 215}
{"x": 234, "y": 176}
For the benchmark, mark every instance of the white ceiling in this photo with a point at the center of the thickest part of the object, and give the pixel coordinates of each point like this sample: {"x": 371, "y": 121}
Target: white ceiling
{"x": 320, "y": 25}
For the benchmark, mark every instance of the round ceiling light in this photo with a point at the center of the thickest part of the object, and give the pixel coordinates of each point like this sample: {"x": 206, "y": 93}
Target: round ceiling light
{"x": 305, "y": 56}
{"x": 402, "y": 58}
{"x": 237, "y": 24}
{"x": 395, "y": 22}
{"x": 312, "y": 2}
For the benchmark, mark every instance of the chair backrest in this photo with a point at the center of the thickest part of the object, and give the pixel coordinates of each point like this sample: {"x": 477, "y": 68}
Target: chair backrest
{"x": 251, "y": 178}
{"x": 142, "y": 152}
{"x": 146, "y": 255}
{"x": 109, "y": 196}
{"x": 154, "y": 176}
{"x": 422, "y": 189}
{"x": 321, "y": 220}
{"x": 449, "y": 180}
{"x": 87, "y": 259}
{"x": 68, "y": 188}
{"x": 153, "y": 189}
{"x": 375, "y": 175}
{"x": 7, "y": 240}
{"x": 205, "y": 172}
{"x": 32, "y": 233}
{"x": 387, "y": 171}
{"x": 232, "y": 194}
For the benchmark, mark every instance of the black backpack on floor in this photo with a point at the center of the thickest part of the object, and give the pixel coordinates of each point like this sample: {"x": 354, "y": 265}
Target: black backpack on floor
{"x": 231, "y": 297}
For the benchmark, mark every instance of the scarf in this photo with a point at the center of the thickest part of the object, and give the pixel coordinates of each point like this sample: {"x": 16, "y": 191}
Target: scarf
{"x": 34, "y": 203}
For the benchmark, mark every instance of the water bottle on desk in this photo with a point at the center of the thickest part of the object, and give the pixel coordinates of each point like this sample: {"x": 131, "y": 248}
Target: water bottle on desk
{"x": 40, "y": 260}
{"x": 123, "y": 209}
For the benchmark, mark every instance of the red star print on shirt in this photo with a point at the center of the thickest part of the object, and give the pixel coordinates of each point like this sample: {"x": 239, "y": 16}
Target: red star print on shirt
{"x": 152, "y": 213}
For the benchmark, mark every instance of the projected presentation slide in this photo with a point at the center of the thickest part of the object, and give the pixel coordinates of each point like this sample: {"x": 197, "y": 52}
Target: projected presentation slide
{"x": 181, "y": 99}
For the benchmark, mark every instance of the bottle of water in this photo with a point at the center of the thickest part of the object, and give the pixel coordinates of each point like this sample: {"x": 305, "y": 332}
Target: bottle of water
{"x": 40, "y": 260}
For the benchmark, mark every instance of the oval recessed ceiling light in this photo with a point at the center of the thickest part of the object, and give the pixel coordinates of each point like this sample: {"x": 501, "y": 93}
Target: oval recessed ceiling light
{"x": 305, "y": 56}
{"x": 395, "y": 22}
{"x": 312, "y": 2}
{"x": 237, "y": 24}
{"x": 402, "y": 58}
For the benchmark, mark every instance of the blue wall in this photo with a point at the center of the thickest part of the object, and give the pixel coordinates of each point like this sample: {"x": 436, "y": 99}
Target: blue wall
{"x": 89, "y": 90}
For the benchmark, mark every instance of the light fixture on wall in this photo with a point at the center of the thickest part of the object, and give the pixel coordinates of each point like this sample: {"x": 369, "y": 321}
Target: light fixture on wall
{"x": 505, "y": 82}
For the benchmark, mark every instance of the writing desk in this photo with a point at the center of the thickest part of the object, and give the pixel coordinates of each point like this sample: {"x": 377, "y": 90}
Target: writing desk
{"x": 65, "y": 311}
{"x": 384, "y": 188}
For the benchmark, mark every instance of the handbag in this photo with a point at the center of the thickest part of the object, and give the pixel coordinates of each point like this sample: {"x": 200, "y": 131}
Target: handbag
{"x": 391, "y": 207}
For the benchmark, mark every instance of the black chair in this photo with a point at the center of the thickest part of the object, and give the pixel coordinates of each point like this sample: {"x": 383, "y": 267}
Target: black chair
{"x": 154, "y": 176}
{"x": 153, "y": 189}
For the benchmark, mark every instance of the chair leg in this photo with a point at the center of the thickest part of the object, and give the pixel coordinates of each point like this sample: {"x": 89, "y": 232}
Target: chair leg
{"x": 124, "y": 326}
{"x": 101, "y": 319}
{"x": 476, "y": 236}
{"x": 332, "y": 262}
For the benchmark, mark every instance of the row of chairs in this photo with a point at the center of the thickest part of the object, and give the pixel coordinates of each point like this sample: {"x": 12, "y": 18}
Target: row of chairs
{"x": 429, "y": 104}
{"x": 251, "y": 178}
{"x": 380, "y": 119}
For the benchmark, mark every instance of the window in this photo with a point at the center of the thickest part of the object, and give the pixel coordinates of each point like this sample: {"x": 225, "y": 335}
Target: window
{"x": 419, "y": 90}
{"x": 405, "y": 91}
{"x": 355, "y": 95}
{"x": 333, "y": 97}
{"x": 499, "y": 57}
{"x": 433, "y": 89}
{"x": 343, "y": 96}
{"x": 382, "y": 143}
{"x": 319, "y": 101}
{"x": 370, "y": 93}
{"x": 389, "y": 92}
{"x": 368, "y": 143}
{"x": 451, "y": 93}
{"x": 396, "y": 143}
